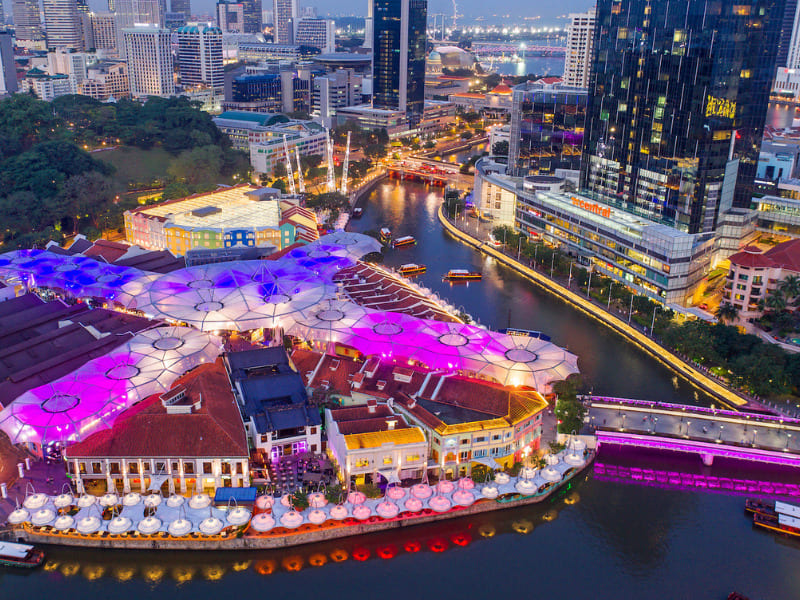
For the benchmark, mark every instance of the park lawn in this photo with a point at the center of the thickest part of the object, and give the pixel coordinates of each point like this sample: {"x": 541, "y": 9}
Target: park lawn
{"x": 137, "y": 166}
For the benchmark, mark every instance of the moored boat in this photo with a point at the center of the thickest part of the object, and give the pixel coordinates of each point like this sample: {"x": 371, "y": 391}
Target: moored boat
{"x": 386, "y": 235}
{"x": 20, "y": 555}
{"x": 757, "y": 506}
{"x": 411, "y": 269}
{"x": 357, "y": 212}
{"x": 463, "y": 275}
{"x": 406, "y": 240}
{"x": 781, "y": 524}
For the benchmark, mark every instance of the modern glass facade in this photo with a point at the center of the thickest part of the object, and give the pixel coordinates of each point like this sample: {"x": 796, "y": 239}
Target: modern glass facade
{"x": 399, "y": 57}
{"x": 547, "y": 126}
{"x": 677, "y": 103}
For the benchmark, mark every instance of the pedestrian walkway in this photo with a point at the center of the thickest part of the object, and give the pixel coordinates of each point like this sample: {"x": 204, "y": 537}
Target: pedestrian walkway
{"x": 724, "y": 395}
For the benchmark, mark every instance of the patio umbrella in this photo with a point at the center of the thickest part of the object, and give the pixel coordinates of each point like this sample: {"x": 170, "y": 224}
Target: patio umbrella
{"x": 262, "y": 522}
{"x": 18, "y": 515}
{"x": 64, "y": 522}
{"x": 175, "y": 501}
{"x": 131, "y": 499}
{"x": 238, "y": 516}
{"x": 88, "y": 525}
{"x": 210, "y": 526}
{"x": 199, "y": 501}
{"x": 179, "y": 527}
{"x": 119, "y": 525}
{"x": 149, "y": 525}
{"x": 35, "y": 501}
{"x": 63, "y": 500}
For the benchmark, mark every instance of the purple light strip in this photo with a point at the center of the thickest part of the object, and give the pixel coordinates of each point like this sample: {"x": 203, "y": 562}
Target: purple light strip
{"x": 693, "y": 409}
{"x": 692, "y": 447}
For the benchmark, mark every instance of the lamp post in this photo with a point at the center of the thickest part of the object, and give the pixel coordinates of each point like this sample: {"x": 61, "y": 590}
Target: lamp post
{"x": 552, "y": 263}
{"x": 589, "y": 285}
{"x": 610, "y": 285}
{"x": 630, "y": 310}
{"x": 535, "y": 254}
{"x": 653, "y": 322}
{"x": 519, "y": 247}
{"x": 569, "y": 279}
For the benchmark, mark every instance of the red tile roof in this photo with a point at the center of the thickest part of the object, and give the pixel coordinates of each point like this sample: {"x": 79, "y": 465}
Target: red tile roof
{"x": 786, "y": 255}
{"x": 147, "y": 430}
{"x": 751, "y": 257}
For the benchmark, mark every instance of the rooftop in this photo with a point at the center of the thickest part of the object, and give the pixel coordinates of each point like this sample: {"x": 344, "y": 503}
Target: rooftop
{"x": 215, "y": 429}
{"x": 376, "y": 439}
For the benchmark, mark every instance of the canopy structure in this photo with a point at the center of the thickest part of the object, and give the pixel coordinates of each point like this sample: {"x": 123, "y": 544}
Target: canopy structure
{"x": 91, "y": 397}
{"x": 79, "y": 276}
{"x": 236, "y": 296}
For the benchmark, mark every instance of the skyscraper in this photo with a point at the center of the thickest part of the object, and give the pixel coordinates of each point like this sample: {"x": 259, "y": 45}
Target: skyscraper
{"x": 398, "y": 67}
{"x": 789, "y": 40}
{"x": 27, "y": 20}
{"x": 252, "y": 16}
{"x": 181, "y": 6}
{"x": 200, "y": 57}
{"x": 104, "y": 31}
{"x": 62, "y": 24}
{"x": 578, "y": 59}
{"x": 368, "y": 27}
{"x": 8, "y": 70}
{"x": 230, "y": 16}
{"x": 137, "y": 12}
{"x": 285, "y": 14}
{"x": 677, "y": 101}
{"x": 149, "y": 61}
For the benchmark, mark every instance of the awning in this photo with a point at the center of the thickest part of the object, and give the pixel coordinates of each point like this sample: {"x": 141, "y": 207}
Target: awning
{"x": 156, "y": 481}
{"x": 389, "y": 475}
{"x": 488, "y": 461}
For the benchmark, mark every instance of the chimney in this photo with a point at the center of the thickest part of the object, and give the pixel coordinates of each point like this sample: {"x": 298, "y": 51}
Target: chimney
{"x": 372, "y": 405}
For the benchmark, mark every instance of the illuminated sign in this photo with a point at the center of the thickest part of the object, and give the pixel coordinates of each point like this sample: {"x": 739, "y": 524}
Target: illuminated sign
{"x": 592, "y": 207}
{"x": 720, "y": 107}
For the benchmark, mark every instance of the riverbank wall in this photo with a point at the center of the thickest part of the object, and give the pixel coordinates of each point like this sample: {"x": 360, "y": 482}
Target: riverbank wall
{"x": 725, "y": 396}
{"x": 321, "y": 533}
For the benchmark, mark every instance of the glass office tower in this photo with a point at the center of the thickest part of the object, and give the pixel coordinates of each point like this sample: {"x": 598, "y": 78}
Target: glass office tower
{"x": 398, "y": 71}
{"x": 677, "y": 100}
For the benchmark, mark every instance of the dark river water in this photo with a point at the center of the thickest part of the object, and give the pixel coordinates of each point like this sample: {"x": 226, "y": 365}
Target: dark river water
{"x": 600, "y": 539}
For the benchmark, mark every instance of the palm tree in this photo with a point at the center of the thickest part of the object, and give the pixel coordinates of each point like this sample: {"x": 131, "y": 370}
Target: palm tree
{"x": 775, "y": 301}
{"x": 790, "y": 286}
{"x": 727, "y": 312}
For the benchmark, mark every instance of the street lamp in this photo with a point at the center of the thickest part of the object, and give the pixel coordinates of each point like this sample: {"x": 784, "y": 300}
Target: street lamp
{"x": 653, "y": 322}
{"x": 569, "y": 279}
{"x": 519, "y": 247}
{"x": 630, "y": 311}
{"x": 552, "y": 263}
{"x": 610, "y": 285}
{"x": 589, "y": 285}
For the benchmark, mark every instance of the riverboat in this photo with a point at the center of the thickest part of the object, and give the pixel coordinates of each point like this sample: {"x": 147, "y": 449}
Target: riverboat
{"x": 20, "y": 555}
{"x": 756, "y": 506}
{"x": 406, "y": 240}
{"x": 463, "y": 275}
{"x": 412, "y": 269}
{"x": 386, "y": 235}
{"x": 358, "y": 212}
{"x": 780, "y": 524}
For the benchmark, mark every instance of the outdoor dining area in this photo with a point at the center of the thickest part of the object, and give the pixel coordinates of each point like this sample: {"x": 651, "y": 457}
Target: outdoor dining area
{"x": 297, "y": 472}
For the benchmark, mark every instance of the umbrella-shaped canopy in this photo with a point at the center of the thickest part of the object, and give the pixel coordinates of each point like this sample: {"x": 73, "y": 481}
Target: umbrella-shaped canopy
{"x": 19, "y": 515}
{"x": 88, "y": 524}
{"x": 35, "y": 501}
{"x": 350, "y": 244}
{"x": 149, "y": 525}
{"x": 238, "y": 516}
{"x": 211, "y": 526}
{"x": 531, "y": 361}
{"x": 119, "y": 525}
{"x": 63, "y": 500}
{"x": 235, "y": 296}
{"x": 262, "y": 522}
{"x": 328, "y": 321}
{"x": 179, "y": 527}
{"x": 64, "y": 522}
{"x": 65, "y": 410}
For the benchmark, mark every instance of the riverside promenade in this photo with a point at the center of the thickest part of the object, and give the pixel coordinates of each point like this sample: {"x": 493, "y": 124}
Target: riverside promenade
{"x": 724, "y": 395}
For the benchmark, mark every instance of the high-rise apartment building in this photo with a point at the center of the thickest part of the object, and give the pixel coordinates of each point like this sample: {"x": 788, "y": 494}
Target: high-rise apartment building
{"x": 317, "y": 33}
{"x": 106, "y": 80}
{"x": 62, "y": 24}
{"x": 8, "y": 70}
{"x": 104, "y": 31}
{"x": 130, "y": 13}
{"x": 285, "y": 14}
{"x": 368, "y": 21}
{"x": 578, "y": 58}
{"x": 677, "y": 101}
{"x": 200, "y": 57}
{"x": 398, "y": 67}
{"x": 230, "y": 16}
{"x": 149, "y": 56}
{"x": 335, "y": 90}
{"x": 27, "y": 20}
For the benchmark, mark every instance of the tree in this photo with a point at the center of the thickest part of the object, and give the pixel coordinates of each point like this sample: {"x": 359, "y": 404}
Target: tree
{"x": 310, "y": 161}
{"x": 727, "y": 312}
{"x": 279, "y": 170}
{"x": 569, "y": 410}
{"x": 500, "y": 148}
{"x": 790, "y": 287}
{"x": 198, "y": 165}
{"x": 775, "y": 301}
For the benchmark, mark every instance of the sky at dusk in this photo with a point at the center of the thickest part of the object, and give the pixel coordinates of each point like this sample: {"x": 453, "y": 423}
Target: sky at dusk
{"x": 517, "y": 10}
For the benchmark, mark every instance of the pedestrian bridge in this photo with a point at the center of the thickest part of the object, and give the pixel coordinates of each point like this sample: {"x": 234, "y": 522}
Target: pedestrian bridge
{"x": 708, "y": 432}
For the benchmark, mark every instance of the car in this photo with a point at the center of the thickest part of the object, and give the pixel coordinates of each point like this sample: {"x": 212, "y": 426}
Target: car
{"x": 703, "y": 306}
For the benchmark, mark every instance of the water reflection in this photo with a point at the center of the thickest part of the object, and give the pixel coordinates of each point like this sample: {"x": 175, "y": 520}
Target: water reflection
{"x": 178, "y": 568}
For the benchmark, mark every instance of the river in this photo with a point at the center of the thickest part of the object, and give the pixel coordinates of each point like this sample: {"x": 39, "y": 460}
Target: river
{"x": 599, "y": 539}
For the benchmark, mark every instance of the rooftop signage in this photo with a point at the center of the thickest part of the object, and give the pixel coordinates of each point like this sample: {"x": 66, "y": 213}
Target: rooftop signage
{"x": 592, "y": 207}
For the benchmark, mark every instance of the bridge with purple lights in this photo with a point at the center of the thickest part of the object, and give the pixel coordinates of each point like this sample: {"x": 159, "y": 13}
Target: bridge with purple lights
{"x": 694, "y": 429}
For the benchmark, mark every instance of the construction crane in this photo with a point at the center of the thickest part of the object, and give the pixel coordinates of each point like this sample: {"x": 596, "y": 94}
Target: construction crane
{"x": 300, "y": 171}
{"x": 455, "y": 15}
{"x": 289, "y": 172}
{"x": 331, "y": 174}
{"x": 346, "y": 165}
